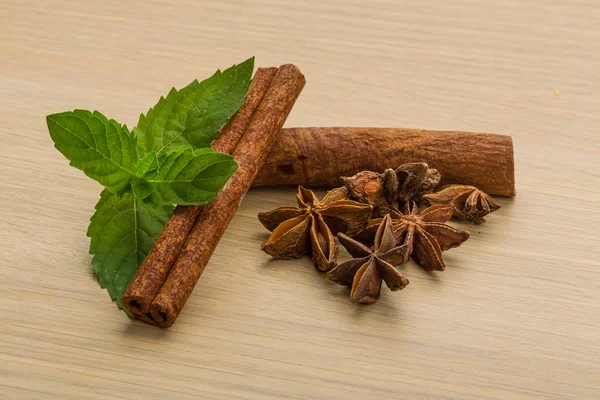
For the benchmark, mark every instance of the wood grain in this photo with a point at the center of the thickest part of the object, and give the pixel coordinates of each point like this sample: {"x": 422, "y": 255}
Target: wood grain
{"x": 515, "y": 315}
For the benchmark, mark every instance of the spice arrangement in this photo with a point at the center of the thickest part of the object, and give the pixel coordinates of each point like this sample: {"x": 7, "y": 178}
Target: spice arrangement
{"x": 201, "y": 148}
{"x": 369, "y": 224}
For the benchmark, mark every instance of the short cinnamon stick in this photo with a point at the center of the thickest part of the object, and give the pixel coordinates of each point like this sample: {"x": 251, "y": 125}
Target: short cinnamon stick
{"x": 154, "y": 270}
{"x": 215, "y": 216}
{"x": 320, "y": 156}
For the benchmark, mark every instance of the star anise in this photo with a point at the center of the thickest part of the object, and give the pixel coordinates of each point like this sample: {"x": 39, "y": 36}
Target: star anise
{"x": 426, "y": 234}
{"x": 409, "y": 181}
{"x": 365, "y": 272}
{"x": 467, "y": 202}
{"x": 415, "y": 180}
{"x": 310, "y": 227}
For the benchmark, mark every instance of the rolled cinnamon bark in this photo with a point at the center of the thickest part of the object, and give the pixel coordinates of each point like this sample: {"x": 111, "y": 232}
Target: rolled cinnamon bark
{"x": 233, "y": 132}
{"x": 320, "y": 156}
{"x": 215, "y": 216}
{"x": 153, "y": 272}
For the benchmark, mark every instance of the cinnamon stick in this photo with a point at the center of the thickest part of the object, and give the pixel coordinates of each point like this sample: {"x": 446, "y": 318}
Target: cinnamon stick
{"x": 154, "y": 270}
{"x": 320, "y": 156}
{"x": 215, "y": 216}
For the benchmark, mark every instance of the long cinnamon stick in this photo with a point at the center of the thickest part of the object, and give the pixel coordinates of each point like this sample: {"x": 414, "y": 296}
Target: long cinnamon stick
{"x": 154, "y": 270}
{"x": 215, "y": 216}
{"x": 320, "y": 156}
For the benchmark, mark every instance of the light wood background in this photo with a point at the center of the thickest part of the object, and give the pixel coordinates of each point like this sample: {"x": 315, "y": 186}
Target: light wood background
{"x": 515, "y": 315}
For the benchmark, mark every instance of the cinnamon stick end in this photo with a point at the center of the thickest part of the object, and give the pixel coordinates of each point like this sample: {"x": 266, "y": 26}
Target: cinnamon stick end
{"x": 134, "y": 304}
{"x": 163, "y": 314}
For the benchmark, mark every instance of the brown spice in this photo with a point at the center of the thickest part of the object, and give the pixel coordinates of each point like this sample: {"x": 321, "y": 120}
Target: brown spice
{"x": 320, "y": 156}
{"x": 365, "y": 272}
{"x": 426, "y": 234}
{"x": 393, "y": 187}
{"x": 153, "y": 272}
{"x": 310, "y": 227}
{"x": 215, "y": 216}
{"x": 467, "y": 202}
{"x": 367, "y": 187}
{"x": 416, "y": 180}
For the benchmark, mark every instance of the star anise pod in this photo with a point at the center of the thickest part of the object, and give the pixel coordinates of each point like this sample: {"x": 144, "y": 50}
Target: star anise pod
{"x": 415, "y": 180}
{"x": 310, "y": 227}
{"x": 409, "y": 181}
{"x": 467, "y": 202}
{"x": 426, "y": 234}
{"x": 365, "y": 272}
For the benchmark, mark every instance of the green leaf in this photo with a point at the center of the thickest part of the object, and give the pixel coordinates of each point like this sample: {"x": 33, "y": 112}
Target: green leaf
{"x": 186, "y": 177}
{"x": 146, "y": 165}
{"x": 194, "y": 115}
{"x": 103, "y": 149}
{"x": 122, "y": 232}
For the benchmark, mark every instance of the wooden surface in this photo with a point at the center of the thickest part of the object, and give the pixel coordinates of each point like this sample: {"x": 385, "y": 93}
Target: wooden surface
{"x": 515, "y": 315}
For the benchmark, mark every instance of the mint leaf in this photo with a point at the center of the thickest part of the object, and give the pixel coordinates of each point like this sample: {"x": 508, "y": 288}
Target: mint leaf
{"x": 122, "y": 232}
{"x": 194, "y": 115}
{"x": 103, "y": 149}
{"x": 186, "y": 177}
